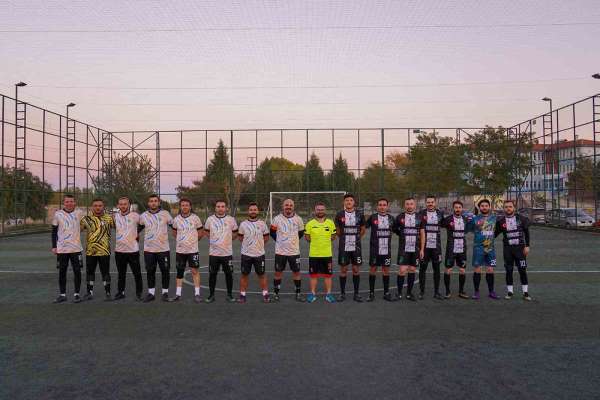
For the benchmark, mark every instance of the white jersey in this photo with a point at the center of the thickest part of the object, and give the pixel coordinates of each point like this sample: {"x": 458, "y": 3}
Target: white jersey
{"x": 156, "y": 228}
{"x": 253, "y": 244}
{"x": 287, "y": 242}
{"x": 221, "y": 235}
{"x": 187, "y": 233}
{"x": 126, "y": 240}
{"x": 69, "y": 231}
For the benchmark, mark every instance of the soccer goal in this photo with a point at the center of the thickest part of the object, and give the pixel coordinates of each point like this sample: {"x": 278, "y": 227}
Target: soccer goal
{"x": 305, "y": 202}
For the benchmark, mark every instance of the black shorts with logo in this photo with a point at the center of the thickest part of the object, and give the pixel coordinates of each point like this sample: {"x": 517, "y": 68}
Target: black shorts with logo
{"x": 63, "y": 259}
{"x": 248, "y": 262}
{"x": 350, "y": 257}
{"x": 215, "y": 263}
{"x": 281, "y": 261}
{"x": 433, "y": 255}
{"x": 408, "y": 258}
{"x": 183, "y": 260}
{"x": 320, "y": 267}
{"x": 380, "y": 261}
{"x": 514, "y": 256}
{"x": 456, "y": 259}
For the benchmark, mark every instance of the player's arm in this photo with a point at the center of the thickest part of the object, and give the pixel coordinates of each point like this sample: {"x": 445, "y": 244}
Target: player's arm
{"x": 273, "y": 231}
{"x": 525, "y": 225}
{"x": 334, "y": 234}
{"x": 497, "y": 228}
{"x": 54, "y": 238}
{"x": 422, "y": 243}
{"x": 240, "y": 234}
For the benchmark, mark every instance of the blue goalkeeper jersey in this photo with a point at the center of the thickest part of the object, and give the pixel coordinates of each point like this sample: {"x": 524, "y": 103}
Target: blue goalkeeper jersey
{"x": 483, "y": 229}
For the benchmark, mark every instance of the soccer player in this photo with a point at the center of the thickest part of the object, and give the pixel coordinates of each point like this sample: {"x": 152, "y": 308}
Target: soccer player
{"x": 484, "y": 253}
{"x": 187, "y": 229}
{"x": 350, "y": 227}
{"x": 457, "y": 226}
{"x": 98, "y": 227}
{"x": 66, "y": 245}
{"x": 431, "y": 246}
{"x": 407, "y": 227}
{"x": 320, "y": 232}
{"x": 127, "y": 248}
{"x": 286, "y": 229}
{"x": 253, "y": 233}
{"x": 380, "y": 253}
{"x": 221, "y": 229}
{"x": 515, "y": 231}
{"x": 155, "y": 222}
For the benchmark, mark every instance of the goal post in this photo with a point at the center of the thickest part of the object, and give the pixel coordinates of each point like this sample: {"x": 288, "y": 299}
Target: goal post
{"x": 305, "y": 201}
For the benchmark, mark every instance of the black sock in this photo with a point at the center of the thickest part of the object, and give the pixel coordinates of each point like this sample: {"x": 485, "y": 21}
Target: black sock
{"x": 229, "y": 283}
{"x": 372, "y": 283}
{"x": 90, "y": 288}
{"x": 212, "y": 282}
{"x": 400, "y": 283}
{"x": 107, "y": 287}
{"x": 356, "y": 283}
{"x": 447, "y": 282}
{"x": 386, "y": 284}
{"x": 298, "y": 283}
{"x": 411, "y": 282}
{"x": 436, "y": 278}
{"x": 461, "y": 283}
{"x": 476, "y": 280}
{"x": 343, "y": 284}
{"x": 489, "y": 278}
{"x": 422, "y": 277}
{"x": 276, "y": 285}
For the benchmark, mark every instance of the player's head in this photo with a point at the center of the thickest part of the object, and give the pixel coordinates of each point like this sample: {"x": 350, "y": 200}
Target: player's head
{"x": 253, "y": 210}
{"x": 457, "y": 207}
{"x": 153, "y": 202}
{"x": 410, "y": 205}
{"x": 509, "y": 207}
{"x": 430, "y": 202}
{"x": 185, "y": 206}
{"x": 98, "y": 206}
{"x": 349, "y": 202}
{"x": 484, "y": 206}
{"x": 68, "y": 202}
{"x": 220, "y": 207}
{"x": 123, "y": 204}
{"x": 382, "y": 205}
{"x": 288, "y": 207}
{"x": 320, "y": 209}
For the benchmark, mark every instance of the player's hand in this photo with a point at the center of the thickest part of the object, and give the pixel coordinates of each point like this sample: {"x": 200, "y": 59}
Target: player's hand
{"x": 526, "y": 251}
{"x": 54, "y": 250}
{"x": 421, "y": 254}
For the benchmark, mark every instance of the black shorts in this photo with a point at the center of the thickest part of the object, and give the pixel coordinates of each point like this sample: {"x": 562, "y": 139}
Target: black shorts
{"x": 258, "y": 263}
{"x": 433, "y": 255}
{"x": 514, "y": 256}
{"x": 408, "y": 258}
{"x": 380, "y": 261}
{"x": 350, "y": 257}
{"x": 281, "y": 261}
{"x": 320, "y": 267}
{"x": 456, "y": 259}
{"x": 162, "y": 259}
{"x": 217, "y": 262}
{"x": 63, "y": 259}
{"x": 191, "y": 260}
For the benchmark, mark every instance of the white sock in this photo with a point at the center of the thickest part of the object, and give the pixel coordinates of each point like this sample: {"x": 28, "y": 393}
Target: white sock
{"x": 265, "y": 292}
{"x": 242, "y": 293}
{"x": 165, "y": 291}
{"x": 197, "y": 291}
{"x": 525, "y": 287}
{"x": 151, "y": 291}
{"x": 178, "y": 291}
{"x": 509, "y": 288}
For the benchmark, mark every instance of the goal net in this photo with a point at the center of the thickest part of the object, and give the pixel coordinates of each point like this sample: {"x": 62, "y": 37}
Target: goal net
{"x": 304, "y": 202}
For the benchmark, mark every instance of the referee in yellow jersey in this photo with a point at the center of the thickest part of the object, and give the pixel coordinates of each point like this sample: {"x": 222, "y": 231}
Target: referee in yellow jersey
{"x": 320, "y": 232}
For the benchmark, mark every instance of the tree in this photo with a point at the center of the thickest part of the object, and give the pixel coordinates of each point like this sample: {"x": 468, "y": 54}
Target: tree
{"x": 340, "y": 177}
{"x": 31, "y": 194}
{"x": 276, "y": 174}
{"x": 314, "y": 177}
{"x": 584, "y": 181}
{"x": 370, "y": 182}
{"x": 130, "y": 175}
{"x": 398, "y": 161}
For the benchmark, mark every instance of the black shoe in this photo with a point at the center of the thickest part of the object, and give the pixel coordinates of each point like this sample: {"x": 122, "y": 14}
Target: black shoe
{"x": 398, "y": 296}
{"x": 341, "y": 297}
{"x": 165, "y": 297}
{"x": 230, "y": 299}
{"x": 509, "y": 295}
{"x": 388, "y": 297}
{"x": 421, "y": 296}
{"x": 463, "y": 295}
{"x": 60, "y": 299}
{"x": 138, "y": 297}
{"x": 300, "y": 298}
{"x": 197, "y": 299}
{"x": 438, "y": 296}
{"x": 276, "y": 298}
{"x": 371, "y": 297}
{"x": 76, "y": 299}
{"x": 176, "y": 298}
{"x": 119, "y": 296}
{"x": 411, "y": 297}
{"x": 527, "y": 297}
{"x": 88, "y": 296}
{"x": 448, "y": 296}
{"x": 357, "y": 298}
{"x": 107, "y": 297}
{"x": 210, "y": 299}
{"x": 149, "y": 297}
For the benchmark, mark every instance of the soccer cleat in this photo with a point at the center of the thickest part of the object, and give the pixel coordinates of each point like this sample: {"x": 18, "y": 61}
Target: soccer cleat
{"x": 509, "y": 295}
{"x": 88, "y": 296}
{"x": 398, "y": 296}
{"x": 176, "y": 298}
{"x": 448, "y": 296}
{"x": 241, "y": 299}
{"x": 475, "y": 295}
{"x": 371, "y": 297}
{"x": 149, "y": 297}
{"x": 276, "y": 298}
{"x": 438, "y": 296}
{"x": 108, "y": 297}
{"x": 165, "y": 297}
{"x": 76, "y": 299}
{"x": 60, "y": 299}
{"x": 342, "y": 297}
{"x": 527, "y": 297}
{"x": 210, "y": 299}
{"x": 300, "y": 298}
{"x": 311, "y": 298}
{"x": 421, "y": 295}
{"x": 388, "y": 297}
{"x": 357, "y": 298}
{"x": 266, "y": 298}
{"x": 411, "y": 297}
{"x": 493, "y": 296}
{"x": 330, "y": 298}
{"x": 138, "y": 297}
{"x": 119, "y": 296}
{"x": 463, "y": 295}
{"x": 197, "y": 299}
{"x": 230, "y": 299}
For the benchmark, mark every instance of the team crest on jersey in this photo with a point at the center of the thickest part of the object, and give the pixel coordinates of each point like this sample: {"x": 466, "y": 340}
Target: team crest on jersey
{"x": 376, "y": 222}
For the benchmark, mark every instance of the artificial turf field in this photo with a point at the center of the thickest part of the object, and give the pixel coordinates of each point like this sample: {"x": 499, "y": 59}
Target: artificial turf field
{"x": 549, "y": 348}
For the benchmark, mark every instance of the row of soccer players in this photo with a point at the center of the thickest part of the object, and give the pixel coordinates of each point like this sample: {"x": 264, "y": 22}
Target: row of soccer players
{"x": 419, "y": 233}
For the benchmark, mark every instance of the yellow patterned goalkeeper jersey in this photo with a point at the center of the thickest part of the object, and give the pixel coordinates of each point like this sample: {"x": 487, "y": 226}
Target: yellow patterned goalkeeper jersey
{"x": 98, "y": 234}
